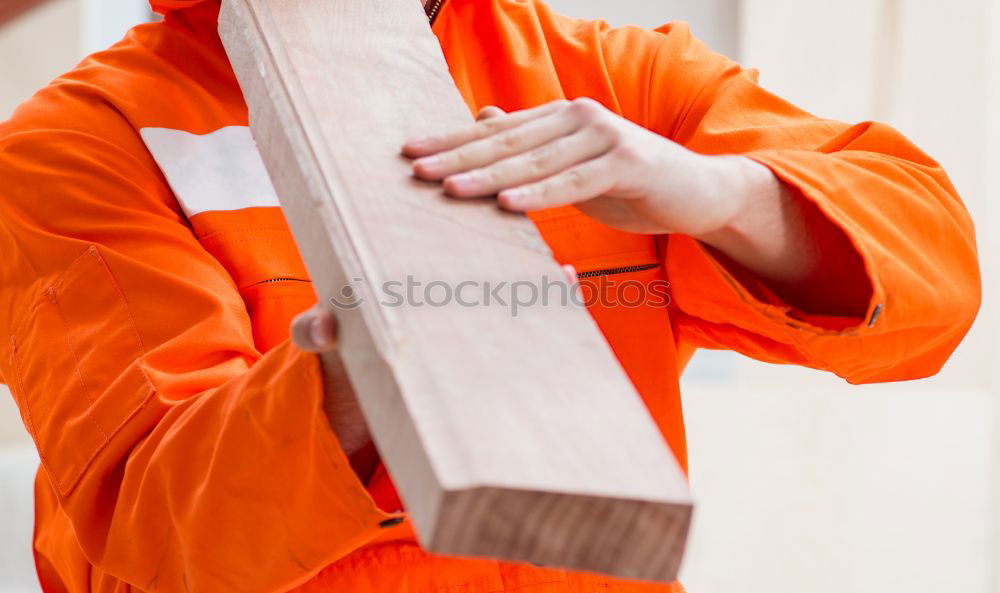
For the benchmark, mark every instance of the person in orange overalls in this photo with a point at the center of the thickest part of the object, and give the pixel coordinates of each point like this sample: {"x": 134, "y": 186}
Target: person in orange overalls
{"x": 149, "y": 283}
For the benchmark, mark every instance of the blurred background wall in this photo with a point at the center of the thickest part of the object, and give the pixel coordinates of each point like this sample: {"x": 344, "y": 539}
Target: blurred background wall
{"x": 803, "y": 482}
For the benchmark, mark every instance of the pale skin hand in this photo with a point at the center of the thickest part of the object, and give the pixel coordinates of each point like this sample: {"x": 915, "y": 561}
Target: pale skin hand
{"x": 578, "y": 152}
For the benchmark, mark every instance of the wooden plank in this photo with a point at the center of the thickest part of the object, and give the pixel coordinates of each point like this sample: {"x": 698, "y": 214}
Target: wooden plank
{"x": 516, "y": 437}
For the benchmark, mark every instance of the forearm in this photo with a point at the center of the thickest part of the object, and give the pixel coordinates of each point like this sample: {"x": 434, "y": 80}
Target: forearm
{"x": 783, "y": 240}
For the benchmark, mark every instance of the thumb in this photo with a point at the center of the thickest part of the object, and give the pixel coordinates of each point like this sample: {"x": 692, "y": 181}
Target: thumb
{"x": 315, "y": 330}
{"x": 489, "y": 112}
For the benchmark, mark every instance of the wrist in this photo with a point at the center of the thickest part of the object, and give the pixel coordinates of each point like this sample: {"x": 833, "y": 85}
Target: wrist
{"x": 747, "y": 191}
{"x": 766, "y": 232}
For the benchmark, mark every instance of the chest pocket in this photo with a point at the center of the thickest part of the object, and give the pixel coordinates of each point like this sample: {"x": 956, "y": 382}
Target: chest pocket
{"x": 256, "y": 247}
{"x": 73, "y": 368}
{"x": 594, "y": 249}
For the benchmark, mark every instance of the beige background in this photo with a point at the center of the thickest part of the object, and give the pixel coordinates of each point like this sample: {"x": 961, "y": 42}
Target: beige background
{"x": 804, "y": 483}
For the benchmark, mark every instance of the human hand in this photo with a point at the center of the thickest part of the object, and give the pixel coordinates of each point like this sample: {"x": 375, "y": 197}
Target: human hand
{"x": 578, "y": 152}
{"x": 316, "y": 331}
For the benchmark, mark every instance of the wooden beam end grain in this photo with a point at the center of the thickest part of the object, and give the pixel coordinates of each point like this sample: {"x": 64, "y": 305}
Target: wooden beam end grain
{"x": 633, "y": 539}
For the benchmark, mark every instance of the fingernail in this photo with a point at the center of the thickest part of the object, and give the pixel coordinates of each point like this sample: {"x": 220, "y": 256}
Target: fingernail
{"x": 428, "y": 164}
{"x": 316, "y": 332}
{"x": 418, "y": 146}
{"x": 463, "y": 181}
{"x": 512, "y": 197}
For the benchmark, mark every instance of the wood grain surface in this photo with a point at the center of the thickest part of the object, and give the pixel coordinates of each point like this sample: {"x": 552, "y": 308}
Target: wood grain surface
{"x": 515, "y": 437}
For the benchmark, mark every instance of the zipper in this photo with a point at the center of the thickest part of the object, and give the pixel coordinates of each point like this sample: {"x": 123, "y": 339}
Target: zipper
{"x": 433, "y": 8}
{"x": 273, "y": 280}
{"x": 613, "y": 271}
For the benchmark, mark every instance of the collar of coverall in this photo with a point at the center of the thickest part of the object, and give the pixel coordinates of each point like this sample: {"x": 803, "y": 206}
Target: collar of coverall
{"x": 165, "y": 6}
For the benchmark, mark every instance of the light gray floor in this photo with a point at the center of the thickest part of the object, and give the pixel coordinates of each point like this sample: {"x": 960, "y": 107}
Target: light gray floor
{"x": 17, "y": 469}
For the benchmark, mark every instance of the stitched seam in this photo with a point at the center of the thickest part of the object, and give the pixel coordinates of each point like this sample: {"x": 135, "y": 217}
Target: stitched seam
{"x": 31, "y": 424}
{"x": 40, "y": 298}
{"x": 29, "y": 314}
{"x": 16, "y": 364}
{"x": 568, "y": 224}
{"x": 782, "y": 321}
{"x": 83, "y": 468}
{"x": 217, "y": 234}
{"x": 260, "y": 240}
{"x": 136, "y": 361}
{"x": 145, "y": 402}
{"x": 649, "y": 82}
{"x": 611, "y": 255}
{"x": 525, "y": 586}
{"x": 121, "y": 296}
{"x": 76, "y": 365}
{"x": 544, "y": 216}
{"x": 777, "y": 315}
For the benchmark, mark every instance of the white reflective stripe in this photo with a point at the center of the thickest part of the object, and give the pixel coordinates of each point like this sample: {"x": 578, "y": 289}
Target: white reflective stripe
{"x": 221, "y": 170}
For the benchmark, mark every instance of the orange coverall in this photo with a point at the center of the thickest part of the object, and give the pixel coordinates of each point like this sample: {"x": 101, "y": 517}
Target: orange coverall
{"x": 148, "y": 280}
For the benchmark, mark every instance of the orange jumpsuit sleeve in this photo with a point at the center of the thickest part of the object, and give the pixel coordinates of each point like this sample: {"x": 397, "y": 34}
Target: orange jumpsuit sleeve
{"x": 895, "y": 205}
{"x": 183, "y": 458}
